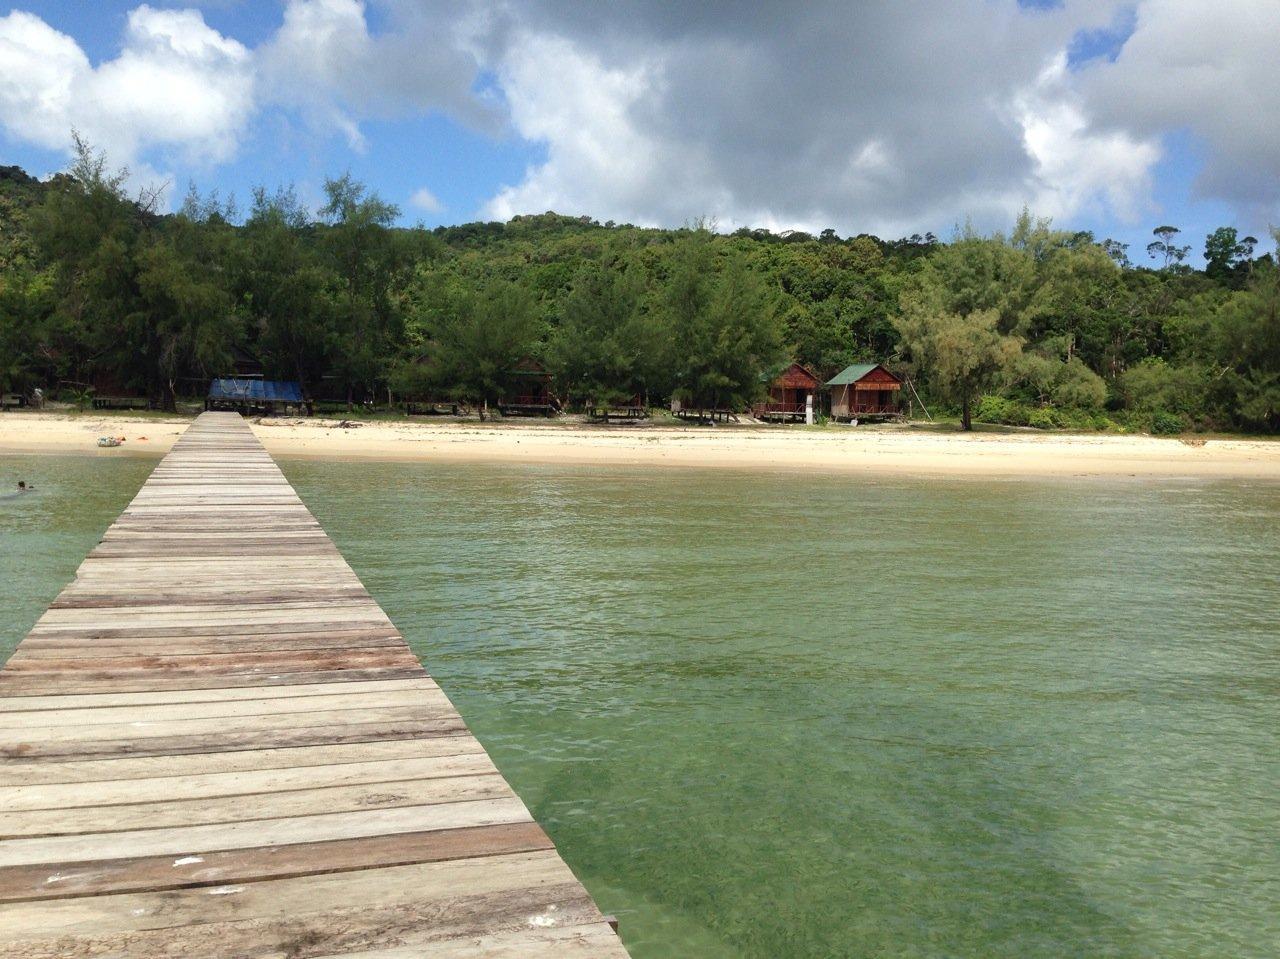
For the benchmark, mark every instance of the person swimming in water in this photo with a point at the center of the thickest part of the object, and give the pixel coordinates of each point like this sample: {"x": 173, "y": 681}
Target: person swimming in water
{"x": 23, "y": 487}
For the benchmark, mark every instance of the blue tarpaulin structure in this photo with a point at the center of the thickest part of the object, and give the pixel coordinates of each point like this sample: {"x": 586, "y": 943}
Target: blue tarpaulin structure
{"x": 254, "y": 396}
{"x": 262, "y": 391}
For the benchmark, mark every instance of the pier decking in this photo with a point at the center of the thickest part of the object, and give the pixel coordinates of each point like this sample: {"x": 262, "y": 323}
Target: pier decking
{"x": 215, "y": 743}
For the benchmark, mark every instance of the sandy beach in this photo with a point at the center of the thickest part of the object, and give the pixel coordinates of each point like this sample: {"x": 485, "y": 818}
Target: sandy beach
{"x": 845, "y": 449}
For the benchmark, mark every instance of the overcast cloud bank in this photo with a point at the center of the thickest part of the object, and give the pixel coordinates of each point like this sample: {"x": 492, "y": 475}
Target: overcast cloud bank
{"x": 887, "y": 117}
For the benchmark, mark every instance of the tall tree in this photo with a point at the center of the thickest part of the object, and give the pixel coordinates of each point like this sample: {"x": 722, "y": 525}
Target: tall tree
{"x": 1222, "y": 252}
{"x": 473, "y": 341}
{"x": 722, "y": 326}
{"x": 605, "y": 349}
{"x": 1249, "y": 348}
{"x": 186, "y": 305}
{"x": 1165, "y": 247}
{"x": 959, "y": 314}
{"x": 92, "y": 233}
{"x": 962, "y": 354}
{"x": 282, "y": 284}
{"x": 368, "y": 261}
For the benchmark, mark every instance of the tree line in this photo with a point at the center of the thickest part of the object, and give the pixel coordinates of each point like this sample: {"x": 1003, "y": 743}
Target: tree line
{"x": 1038, "y": 327}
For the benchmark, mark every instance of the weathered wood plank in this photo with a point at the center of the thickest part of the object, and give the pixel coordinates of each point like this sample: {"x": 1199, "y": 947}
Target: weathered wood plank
{"x": 157, "y": 873}
{"x": 96, "y": 771}
{"x": 65, "y": 796}
{"x": 192, "y": 840}
{"x": 156, "y": 814}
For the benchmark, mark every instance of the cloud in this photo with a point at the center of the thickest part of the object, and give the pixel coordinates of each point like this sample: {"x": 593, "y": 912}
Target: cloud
{"x": 325, "y": 62}
{"x": 426, "y": 201}
{"x": 1208, "y": 68}
{"x": 870, "y": 117}
{"x": 40, "y": 70}
{"x": 886, "y": 117}
{"x": 176, "y": 84}
{"x": 598, "y": 159}
{"x": 1074, "y": 166}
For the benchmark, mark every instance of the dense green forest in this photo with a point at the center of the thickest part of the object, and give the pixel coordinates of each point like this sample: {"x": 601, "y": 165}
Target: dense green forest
{"x": 1039, "y": 327}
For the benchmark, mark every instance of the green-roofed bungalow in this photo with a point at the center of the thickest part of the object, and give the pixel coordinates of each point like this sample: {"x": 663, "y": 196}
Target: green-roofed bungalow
{"x": 865, "y": 390}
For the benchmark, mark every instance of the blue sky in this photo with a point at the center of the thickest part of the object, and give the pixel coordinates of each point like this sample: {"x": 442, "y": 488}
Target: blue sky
{"x": 460, "y": 166}
{"x": 804, "y": 116}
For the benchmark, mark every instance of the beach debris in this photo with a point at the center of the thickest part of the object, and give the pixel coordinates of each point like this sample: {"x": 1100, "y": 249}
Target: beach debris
{"x": 348, "y": 425}
{"x": 107, "y": 441}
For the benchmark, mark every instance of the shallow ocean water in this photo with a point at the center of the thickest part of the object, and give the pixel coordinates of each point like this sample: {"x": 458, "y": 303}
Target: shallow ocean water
{"x": 778, "y": 715}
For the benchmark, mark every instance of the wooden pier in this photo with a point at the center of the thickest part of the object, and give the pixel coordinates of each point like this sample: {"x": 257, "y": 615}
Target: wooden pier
{"x": 216, "y": 744}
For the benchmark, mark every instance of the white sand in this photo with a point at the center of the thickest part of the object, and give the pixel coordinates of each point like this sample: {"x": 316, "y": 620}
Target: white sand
{"x": 898, "y": 450}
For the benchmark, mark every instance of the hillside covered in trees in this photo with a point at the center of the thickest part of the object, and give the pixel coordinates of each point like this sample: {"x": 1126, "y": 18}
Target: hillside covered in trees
{"x": 1039, "y": 327}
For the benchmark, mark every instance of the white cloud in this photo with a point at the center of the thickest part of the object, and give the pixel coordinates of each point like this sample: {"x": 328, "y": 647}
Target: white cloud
{"x": 1075, "y": 167}
{"x": 176, "y": 84}
{"x": 597, "y": 159}
{"x": 426, "y": 201}
{"x": 325, "y": 62}
{"x": 40, "y": 70}
{"x": 1208, "y": 68}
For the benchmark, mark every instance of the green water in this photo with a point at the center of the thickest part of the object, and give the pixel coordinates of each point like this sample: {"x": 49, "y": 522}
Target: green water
{"x": 774, "y": 716}
{"x": 45, "y": 534}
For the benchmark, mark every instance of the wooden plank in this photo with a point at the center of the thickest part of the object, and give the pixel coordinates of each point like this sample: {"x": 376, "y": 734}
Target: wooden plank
{"x": 52, "y": 721}
{"x": 103, "y": 700}
{"x": 435, "y": 707}
{"x": 193, "y": 840}
{"x": 216, "y": 744}
{"x": 65, "y": 796}
{"x": 157, "y": 814}
{"x": 558, "y": 942}
{"x": 157, "y": 873}
{"x": 97, "y": 771}
{"x": 170, "y": 745}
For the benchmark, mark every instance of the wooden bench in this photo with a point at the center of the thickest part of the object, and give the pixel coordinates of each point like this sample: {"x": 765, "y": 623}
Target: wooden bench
{"x": 433, "y": 408}
{"x": 603, "y": 414}
{"x": 707, "y": 416}
{"x": 121, "y": 403}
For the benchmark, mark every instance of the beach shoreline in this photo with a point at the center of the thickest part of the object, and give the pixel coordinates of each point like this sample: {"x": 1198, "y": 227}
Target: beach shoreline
{"x": 834, "y": 449}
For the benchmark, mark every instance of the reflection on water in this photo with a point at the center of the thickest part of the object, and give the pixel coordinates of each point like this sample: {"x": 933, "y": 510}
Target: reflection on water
{"x": 770, "y": 715}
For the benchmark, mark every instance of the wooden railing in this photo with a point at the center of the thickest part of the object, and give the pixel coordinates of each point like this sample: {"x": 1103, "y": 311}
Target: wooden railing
{"x": 778, "y": 408}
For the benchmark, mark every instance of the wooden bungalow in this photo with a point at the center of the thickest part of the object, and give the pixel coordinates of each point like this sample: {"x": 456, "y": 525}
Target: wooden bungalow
{"x": 111, "y": 392}
{"x": 529, "y": 392}
{"x": 865, "y": 391}
{"x": 790, "y": 393}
